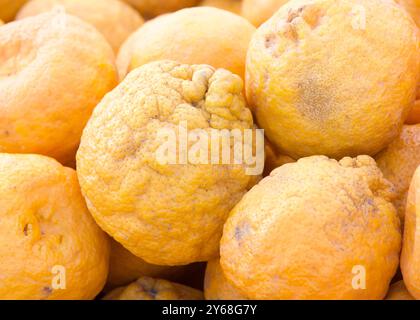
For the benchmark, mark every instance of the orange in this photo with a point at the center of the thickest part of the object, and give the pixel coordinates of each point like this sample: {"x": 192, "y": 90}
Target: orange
{"x": 216, "y": 286}
{"x": 113, "y": 18}
{"x": 321, "y": 79}
{"x": 146, "y": 288}
{"x": 259, "y": 11}
{"x": 194, "y": 36}
{"x": 51, "y": 247}
{"x": 410, "y": 257}
{"x": 166, "y": 214}
{"x": 314, "y": 229}
{"x": 153, "y": 8}
{"x": 54, "y": 69}
{"x": 9, "y": 8}
{"x": 399, "y": 161}
{"x": 229, "y": 5}
{"x": 413, "y": 7}
{"x": 124, "y": 268}
{"x": 398, "y": 291}
{"x": 414, "y": 115}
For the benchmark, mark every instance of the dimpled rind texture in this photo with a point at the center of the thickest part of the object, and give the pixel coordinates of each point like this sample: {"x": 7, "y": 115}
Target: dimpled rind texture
{"x": 113, "y": 18}
{"x": 163, "y": 213}
{"x": 153, "y": 8}
{"x": 146, "y": 288}
{"x": 399, "y": 161}
{"x": 201, "y": 35}
{"x": 216, "y": 286}
{"x": 398, "y": 291}
{"x": 44, "y": 223}
{"x": 318, "y": 76}
{"x": 54, "y": 69}
{"x": 300, "y": 232}
{"x": 410, "y": 257}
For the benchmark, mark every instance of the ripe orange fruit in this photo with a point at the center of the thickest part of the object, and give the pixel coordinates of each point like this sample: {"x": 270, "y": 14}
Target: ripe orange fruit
{"x": 410, "y": 257}
{"x": 259, "y": 11}
{"x": 413, "y": 7}
{"x": 9, "y": 8}
{"x": 146, "y": 288}
{"x": 47, "y": 234}
{"x": 414, "y": 115}
{"x": 153, "y": 8}
{"x": 124, "y": 268}
{"x": 181, "y": 36}
{"x": 113, "y": 18}
{"x": 314, "y": 229}
{"x": 229, "y": 5}
{"x": 399, "y": 161}
{"x": 319, "y": 80}
{"x": 216, "y": 286}
{"x": 166, "y": 214}
{"x": 398, "y": 291}
{"x": 54, "y": 69}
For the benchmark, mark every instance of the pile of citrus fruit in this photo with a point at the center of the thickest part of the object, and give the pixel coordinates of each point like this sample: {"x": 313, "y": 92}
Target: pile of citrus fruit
{"x": 99, "y": 99}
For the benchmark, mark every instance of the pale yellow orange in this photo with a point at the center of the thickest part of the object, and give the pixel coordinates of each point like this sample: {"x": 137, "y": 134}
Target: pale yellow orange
{"x": 54, "y": 69}
{"x": 153, "y": 8}
{"x": 229, "y": 5}
{"x": 165, "y": 213}
{"x": 398, "y": 162}
{"x": 201, "y": 35}
{"x": 259, "y": 11}
{"x": 115, "y": 19}
{"x": 321, "y": 81}
{"x": 51, "y": 247}
{"x": 314, "y": 229}
{"x": 410, "y": 257}
{"x": 216, "y": 286}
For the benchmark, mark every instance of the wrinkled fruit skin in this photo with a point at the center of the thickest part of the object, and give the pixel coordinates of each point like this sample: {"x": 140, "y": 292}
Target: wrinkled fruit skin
{"x": 146, "y": 288}
{"x": 44, "y": 224}
{"x": 410, "y": 257}
{"x": 398, "y": 291}
{"x": 113, "y": 18}
{"x": 216, "y": 286}
{"x": 163, "y": 213}
{"x": 54, "y": 69}
{"x": 319, "y": 83}
{"x": 399, "y": 161}
{"x": 201, "y": 35}
{"x": 300, "y": 232}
